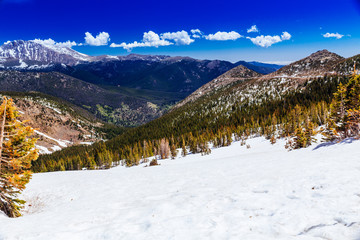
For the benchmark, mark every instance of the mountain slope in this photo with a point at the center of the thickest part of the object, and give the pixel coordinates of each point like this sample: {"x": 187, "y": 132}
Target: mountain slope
{"x": 178, "y": 75}
{"x": 106, "y": 104}
{"x": 160, "y": 73}
{"x": 58, "y": 123}
{"x": 263, "y": 68}
{"x": 346, "y": 67}
{"x": 289, "y": 78}
{"x": 237, "y": 74}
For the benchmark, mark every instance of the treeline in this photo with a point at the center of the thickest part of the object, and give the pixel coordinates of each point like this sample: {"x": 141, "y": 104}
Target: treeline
{"x": 192, "y": 127}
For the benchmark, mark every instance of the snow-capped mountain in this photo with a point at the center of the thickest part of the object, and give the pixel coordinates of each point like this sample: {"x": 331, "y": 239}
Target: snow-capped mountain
{"x": 39, "y": 54}
{"x": 21, "y": 54}
{"x": 46, "y": 55}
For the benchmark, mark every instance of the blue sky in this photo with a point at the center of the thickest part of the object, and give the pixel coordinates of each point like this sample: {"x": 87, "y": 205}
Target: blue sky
{"x": 285, "y": 30}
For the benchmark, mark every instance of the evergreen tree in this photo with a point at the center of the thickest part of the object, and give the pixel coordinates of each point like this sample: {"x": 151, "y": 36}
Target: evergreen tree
{"x": 344, "y": 117}
{"x": 17, "y": 151}
{"x": 183, "y": 148}
{"x": 173, "y": 149}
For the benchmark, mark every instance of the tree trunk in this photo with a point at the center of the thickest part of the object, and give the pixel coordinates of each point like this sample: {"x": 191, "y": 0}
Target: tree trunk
{"x": 2, "y": 129}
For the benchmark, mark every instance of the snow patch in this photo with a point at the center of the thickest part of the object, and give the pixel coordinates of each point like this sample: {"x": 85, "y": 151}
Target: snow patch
{"x": 59, "y": 142}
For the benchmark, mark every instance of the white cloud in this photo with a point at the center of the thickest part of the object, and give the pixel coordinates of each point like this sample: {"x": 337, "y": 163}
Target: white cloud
{"x": 334, "y": 35}
{"x": 196, "y": 33}
{"x": 150, "y": 39}
{"x": 101, "y": 39}
{"x": 253, "y": 29}
{"x": 285, "y": 36}
{"x": 50, "y": 42}
{"x": 223, "y": 36}
{"x": 153, "y": 38}
{"x": 180, "y": 37}
{"x": 267, "y": 41}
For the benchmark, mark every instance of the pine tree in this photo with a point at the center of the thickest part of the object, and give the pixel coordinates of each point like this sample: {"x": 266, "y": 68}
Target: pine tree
{"x": 353, "y": 122}
{"x": 353, "y": 107}
{"x": 338, "y": 110}
{"x": 17, "y": 151}
{"x": 228, "y": 136}
{"x": 344, "y": 112}
{"x": 183, "y": 147}
{"x": 193, "y": 144}
{"x": 273, "y": 139}
{"x": 173, "y": 149}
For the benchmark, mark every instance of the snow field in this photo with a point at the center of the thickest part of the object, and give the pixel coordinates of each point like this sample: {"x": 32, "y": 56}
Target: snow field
{"x": 264, "y": 192}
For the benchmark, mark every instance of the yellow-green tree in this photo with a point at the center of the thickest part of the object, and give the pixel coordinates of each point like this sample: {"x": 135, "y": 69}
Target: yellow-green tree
{"x": 344, "y": 120}
{"x": 17, "y": 150}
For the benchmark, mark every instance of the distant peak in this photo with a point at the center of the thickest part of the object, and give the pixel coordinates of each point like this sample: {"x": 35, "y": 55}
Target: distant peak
{"x": 323, "y": 51}
{"x": 43, "y": 52}
{"x": 240, "y": 72}
{"x": 316, "y": 64}
{"x": 324, "y": 54}
{"x": 15, "y": 42}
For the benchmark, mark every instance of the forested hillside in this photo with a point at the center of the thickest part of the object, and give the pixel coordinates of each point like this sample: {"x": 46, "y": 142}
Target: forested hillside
{"x": 239, "y": 105}
{"x": 106, "y": 104}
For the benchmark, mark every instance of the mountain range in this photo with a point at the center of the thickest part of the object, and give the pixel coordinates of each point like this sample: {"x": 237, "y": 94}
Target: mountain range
{"x": 125, "y": 90}
{"x": 135, "y": 89}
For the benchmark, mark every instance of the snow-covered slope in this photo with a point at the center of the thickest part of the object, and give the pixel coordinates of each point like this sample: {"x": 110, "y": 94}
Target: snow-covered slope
{"x": 263, "y": 192}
